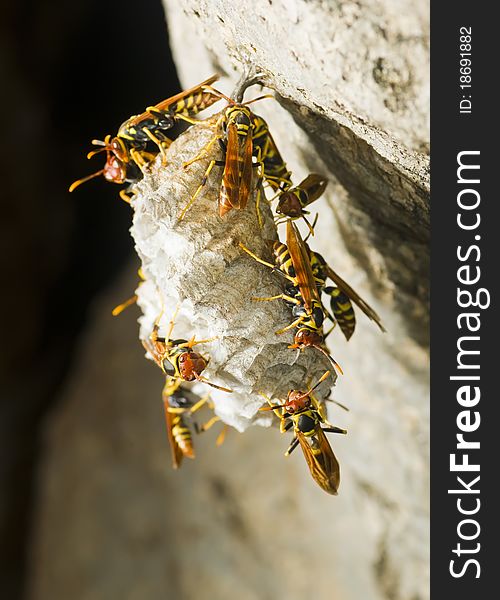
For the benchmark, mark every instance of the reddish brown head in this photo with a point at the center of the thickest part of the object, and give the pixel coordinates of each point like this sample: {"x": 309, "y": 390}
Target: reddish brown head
{"x": 289, "y": 205}
{"x": 114, "y": 170}
{"x": 297, "y": 401}
{"x": 191, "y": 365}
{"x": 307, "y": 337}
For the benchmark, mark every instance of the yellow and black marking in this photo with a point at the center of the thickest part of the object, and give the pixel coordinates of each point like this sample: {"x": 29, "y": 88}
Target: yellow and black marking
{"x": 247, "y": 144}
{"x": 180, "y": 405}
{"x": 293, "y": 202}
{"x": 275, "y": 172}
{"x": 342, "y": 309}
{"x": 311, "y": 318}
{"x": 342, "y": 296}
{"x": 141, "y": 137}
{"x": 309, "y": 431}
{"x": 155, "y": 120}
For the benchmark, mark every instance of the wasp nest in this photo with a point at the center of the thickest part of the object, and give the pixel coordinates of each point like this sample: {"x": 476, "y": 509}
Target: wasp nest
{"x": 196, "y": 264}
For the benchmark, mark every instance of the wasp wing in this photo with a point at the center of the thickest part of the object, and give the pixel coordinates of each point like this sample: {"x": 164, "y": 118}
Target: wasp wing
{"x": 274, "y": 165}
{"x": 302, "y": 265}
{"x": 347, "y": 289}
{"x": 177, "y": 454}
{"x": 237, "y": 176}
{"x": 208, "y": 100}
{"x": 314, "y": 185}
{"x": 321, "y": 460}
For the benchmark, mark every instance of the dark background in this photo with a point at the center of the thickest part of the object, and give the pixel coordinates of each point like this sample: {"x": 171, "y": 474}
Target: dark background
{"x": 68, "y": 76}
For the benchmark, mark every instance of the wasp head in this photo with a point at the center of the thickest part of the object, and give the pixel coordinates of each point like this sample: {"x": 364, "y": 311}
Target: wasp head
{"x": 289, "y": 205}
{"x": 297, "y": 401}
{"x": 191, "y": 365}
{"x": 307, "y": 337}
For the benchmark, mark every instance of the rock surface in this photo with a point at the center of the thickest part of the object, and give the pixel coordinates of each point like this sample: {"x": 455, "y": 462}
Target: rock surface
{"x": 241, "y": 520}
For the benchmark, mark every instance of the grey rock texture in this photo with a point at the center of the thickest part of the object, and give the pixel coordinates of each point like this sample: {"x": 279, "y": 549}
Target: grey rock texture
{"x": 242, "y": 521}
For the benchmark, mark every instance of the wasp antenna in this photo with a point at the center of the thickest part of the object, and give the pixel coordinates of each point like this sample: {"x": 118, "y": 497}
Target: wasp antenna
{"x": 214, "y": 385}
{"x": 98, "y": 143}
{"x": 320, "y": 381}
{"x": 78, "y": 182}
{"x": 330, "y": 358}
{"x": 258, "y": 98}
{"x": 217, "y": 93}
{"x": 121, "y": 307}
{"x": 92, "y": 153}
{"x": 271, "y": 407}
{"x": 343, "y": 406}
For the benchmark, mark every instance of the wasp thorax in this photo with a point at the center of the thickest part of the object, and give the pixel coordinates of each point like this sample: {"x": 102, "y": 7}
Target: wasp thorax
{"x": 165, "y": 121}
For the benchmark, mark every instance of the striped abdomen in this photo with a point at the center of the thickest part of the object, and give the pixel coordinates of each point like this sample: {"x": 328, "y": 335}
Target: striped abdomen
{"x": 283, "y": 259}
{"x": 193, "y": 104}
{"x": 343, "y": 310}
{"x": 276, "y": 172}
{"x": 182, "y": 435}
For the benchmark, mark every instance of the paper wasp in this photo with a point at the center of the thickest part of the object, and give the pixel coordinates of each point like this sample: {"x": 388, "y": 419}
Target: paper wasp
{"x": 179, "y": 404}
{"x": 342, "y": 295}
{"x": 302, "y": 412}
{"x": 176, "y": 358}
{"x": 127, "y": 153}
{"x": 301, "y": 292}
{"x": 293, "y": 201}
{"x": 246, "y": 144}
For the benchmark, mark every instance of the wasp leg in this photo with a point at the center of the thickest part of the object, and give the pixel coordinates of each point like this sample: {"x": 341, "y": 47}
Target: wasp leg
{"x": 291, "y": 326}
{"x": 333, "y": 429}
{"x": 121, "y": 307}
{"x": 263, "y": 262}
{"x": 139, "y": 159}
{"x": 161, "y": 143}
{"x": 125, "y": 197}
{"x": 203, "y": 151}
{"x": 154, "y": 337}
{"x": 293, "y": 445}
{"x": 284, "y": 426}
{"x": 331, "y": 328}
{"x": 222, "y": 436}
{"x": 278, "y": 297}
{"x": 211, "y": 165}
{"x": 193, "y": 342}
{"x": 210, "y": 423}
{"x": 200, "y": 404}
{"x": 260, "y": 190}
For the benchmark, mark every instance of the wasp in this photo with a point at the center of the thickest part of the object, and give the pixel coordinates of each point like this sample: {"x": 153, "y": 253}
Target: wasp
{"x": 275, "y": 171}
{"x": 246, "y": 144}
{"x": 292, "y": 202}
{"x": 176, "y": 358}
{"x": 301, "y": 292}
{"x": 179, "y": 404}
{"x": 126, "y": 153}
{"x": 342, "y": 295}
{"x": 302, "y": 412}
